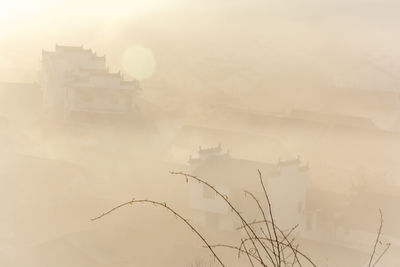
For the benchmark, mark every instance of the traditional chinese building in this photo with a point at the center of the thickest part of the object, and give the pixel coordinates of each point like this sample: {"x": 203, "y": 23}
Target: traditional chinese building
{"x": 76, "y": 82}
{"x": 286, "y": 183}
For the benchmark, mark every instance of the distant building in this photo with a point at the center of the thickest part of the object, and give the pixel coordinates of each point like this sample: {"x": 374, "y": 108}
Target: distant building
{"x": 352, "y": 219}
{"x": 77, "y": 81}
{"x": 250, "y": 145}
{"x": 286, "y": 183}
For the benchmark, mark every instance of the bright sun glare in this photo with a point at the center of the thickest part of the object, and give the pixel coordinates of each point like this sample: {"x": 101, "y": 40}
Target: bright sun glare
{"x": 138, "y": 62}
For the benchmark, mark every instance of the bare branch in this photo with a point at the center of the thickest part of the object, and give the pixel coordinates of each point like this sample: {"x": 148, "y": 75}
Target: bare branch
{"x": 270, "y": 211}
{"x": 230, "y": 205}
{"x": 377, "y": 241}
{"x": 164, "y": 205}
{"x": 278, "y": 247}
{"x": 267, "y": 225}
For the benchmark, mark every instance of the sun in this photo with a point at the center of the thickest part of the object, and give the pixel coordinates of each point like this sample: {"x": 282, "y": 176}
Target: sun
{"x": 138, "y": 62}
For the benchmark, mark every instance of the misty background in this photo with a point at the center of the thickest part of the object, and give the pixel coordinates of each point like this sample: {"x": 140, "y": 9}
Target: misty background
{"x": 269, "y": 81}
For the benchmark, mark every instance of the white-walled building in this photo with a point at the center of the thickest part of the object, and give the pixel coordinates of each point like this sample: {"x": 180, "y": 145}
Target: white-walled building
{"x": 76, "y": 80}
{"x": 286, "y": 183}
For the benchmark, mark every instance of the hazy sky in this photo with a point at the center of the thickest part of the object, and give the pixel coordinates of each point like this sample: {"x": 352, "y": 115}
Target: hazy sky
{"x": 265, "y": 35}
{"x": 243, "y": 73}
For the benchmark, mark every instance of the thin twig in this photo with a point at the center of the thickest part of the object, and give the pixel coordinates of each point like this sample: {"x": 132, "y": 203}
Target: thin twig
{"x": 377, "y": 240}
{"x": 238, "y": 249}
{"x": 164, "y": 205}
{"x": 378, "y": 236}
{"x": 248, "y": 256}
{"x": 381, "y": 255}
{"x": 267, "y": 225}
{"x": 231, "y": 206}
{"x": 270, "y": 211}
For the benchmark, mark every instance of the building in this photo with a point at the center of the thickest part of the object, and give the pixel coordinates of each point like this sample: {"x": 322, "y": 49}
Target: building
{"x": 351, "y": 220}
{"x": 286, "y": 183}
{"x": 248, "y": 145}
{"x": 76, "y": 82}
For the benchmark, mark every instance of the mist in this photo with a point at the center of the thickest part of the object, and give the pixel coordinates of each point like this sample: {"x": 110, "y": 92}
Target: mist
{"x": 108, "y": 103}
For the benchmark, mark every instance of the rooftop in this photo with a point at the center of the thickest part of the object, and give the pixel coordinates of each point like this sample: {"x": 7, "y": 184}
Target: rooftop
{"x": 72, "y": 49}
{"x": 210, "y": 150}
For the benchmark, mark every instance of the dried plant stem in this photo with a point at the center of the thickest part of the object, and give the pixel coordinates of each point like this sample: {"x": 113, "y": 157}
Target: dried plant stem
{"x": 270, "y": 213}
{"x": 164, "y": 205}
{"x": 271, "y": 246}
{"x": 266, "y": 223}
{"x": 377, "y": 241}
{"x": 236, "y": 212}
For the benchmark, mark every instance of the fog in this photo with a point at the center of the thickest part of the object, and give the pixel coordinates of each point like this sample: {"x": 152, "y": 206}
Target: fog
{"x": 101, "y": 100}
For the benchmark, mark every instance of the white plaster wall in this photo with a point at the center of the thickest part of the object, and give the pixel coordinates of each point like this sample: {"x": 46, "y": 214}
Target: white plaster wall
{"x": 199, "y": 202}
{"x": 286, "y": 191}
